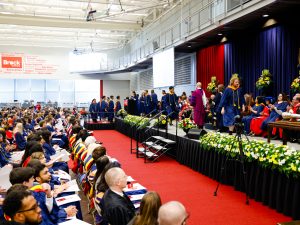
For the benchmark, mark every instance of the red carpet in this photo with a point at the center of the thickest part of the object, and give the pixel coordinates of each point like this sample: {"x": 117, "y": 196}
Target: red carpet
{"x": 177, "y": 182}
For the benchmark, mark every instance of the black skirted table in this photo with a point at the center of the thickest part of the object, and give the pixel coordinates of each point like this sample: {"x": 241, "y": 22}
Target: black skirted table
{"x": 265, "y": 185}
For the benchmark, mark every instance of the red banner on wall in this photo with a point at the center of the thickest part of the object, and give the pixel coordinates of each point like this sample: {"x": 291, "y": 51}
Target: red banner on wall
{"x": 12, "y": 62}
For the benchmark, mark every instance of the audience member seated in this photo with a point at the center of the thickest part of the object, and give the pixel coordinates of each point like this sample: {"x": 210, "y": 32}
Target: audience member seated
{"x": 255, "y": 111}
{"x": 256, "y": 122}
{"x": 172, "y": 213}
{"x": 116, "y": 206}
{"x": 149, "y": 207}
{"x": 276, "y": 111}
{"x": 19, "y": 137}
{"x": 22, "y": 207}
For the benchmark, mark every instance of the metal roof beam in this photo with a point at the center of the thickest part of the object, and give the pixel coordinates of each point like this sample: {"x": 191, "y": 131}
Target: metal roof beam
{"x": 66, "y": 23}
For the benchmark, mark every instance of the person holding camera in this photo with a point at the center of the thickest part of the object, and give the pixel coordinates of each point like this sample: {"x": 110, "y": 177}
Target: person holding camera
{"x": 232, "y": 102}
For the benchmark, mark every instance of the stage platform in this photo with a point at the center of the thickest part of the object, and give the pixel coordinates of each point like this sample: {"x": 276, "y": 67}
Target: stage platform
{"x": 266, "y": 185}
{"x": 99, "y": 125}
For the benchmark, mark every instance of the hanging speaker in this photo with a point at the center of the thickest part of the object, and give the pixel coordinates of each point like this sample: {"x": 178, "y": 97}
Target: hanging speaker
{"x": 196, "y": 133}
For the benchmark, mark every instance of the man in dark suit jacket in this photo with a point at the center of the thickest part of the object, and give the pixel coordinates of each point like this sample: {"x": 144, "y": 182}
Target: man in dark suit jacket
{"x": 116, "y": 206}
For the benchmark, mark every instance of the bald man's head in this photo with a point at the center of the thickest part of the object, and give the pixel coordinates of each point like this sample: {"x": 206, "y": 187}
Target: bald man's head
{"x": 172, "y": 213}
{"x": 116, "y": 178}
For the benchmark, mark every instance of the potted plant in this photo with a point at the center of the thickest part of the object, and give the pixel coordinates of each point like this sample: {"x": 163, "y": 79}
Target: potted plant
{"x": 186, "y": 124}
{"x": 161, "y": 121}
{"x": 295, "y": 85}
{"x": 212, "y": 86}
{"x": 264, "y": 82}
{"x": 122, "y": 113}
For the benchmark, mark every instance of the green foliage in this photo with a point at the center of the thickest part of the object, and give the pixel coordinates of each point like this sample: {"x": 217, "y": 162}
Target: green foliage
{"x": 281, "y": 157}
{"x": 265, "y": 80}
{"x": 137, "y": 121}
{"x": 186, "y": 123}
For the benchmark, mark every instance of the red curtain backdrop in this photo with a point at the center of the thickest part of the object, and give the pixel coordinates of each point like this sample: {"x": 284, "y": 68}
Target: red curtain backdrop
{"x": 210, "y": 62}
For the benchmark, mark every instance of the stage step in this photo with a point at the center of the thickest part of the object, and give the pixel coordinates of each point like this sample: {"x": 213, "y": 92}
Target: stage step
{"x": 168, "y": 141}
{"x": 147, "y": 153}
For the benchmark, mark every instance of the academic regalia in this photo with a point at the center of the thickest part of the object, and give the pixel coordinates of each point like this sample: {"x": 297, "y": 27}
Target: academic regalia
{"x": 147, "y": 104}
{"x": 40, "y": 196}
{"x": 172, "y": 105}
{"x": 163, "y": 103}
{"x": 103, "y": 109}
{"x": 49, "y": 150}
{"x": 111, "y": 106}
{"x": 199, "y": 110}
{"x": 116, "y": 210}
{"x": 256, "y": 122}
{"x": 118, "y": 106}
{"x": 232, "y": 101}
{"x": 141, "y": 105}
{"x": 217, "y": 111}
{"x": 4, "y": 156}
{"x": 20, "y": 141}
{"x": 93, "y": 111}
{"x": 247, "y": 119}
{"x": 154, "y": 102}
{"x": 274, "y": 115}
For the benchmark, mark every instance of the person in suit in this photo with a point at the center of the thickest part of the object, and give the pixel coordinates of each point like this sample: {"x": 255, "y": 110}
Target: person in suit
{"x": 116, "y": 207}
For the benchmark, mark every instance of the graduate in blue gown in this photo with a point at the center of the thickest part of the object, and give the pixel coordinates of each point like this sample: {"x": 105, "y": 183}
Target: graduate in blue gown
{"x": 93, "y": 110}
{"x": 19, "y": 136}
{"x": 172, "y": 107}
{"x": 102, "y": 108}
{"x": 276, "y": 110}
{"x": 110, "y": 109}
{"x": 163, "y": 101}
{"x": 118, "y": 105}
{"x": 142, "y": 104}
{"x": 154, "y": 101}
{"x": 147, "y": 102}
{"x": 255, "y": 112}
{"x": 232, "y": 102}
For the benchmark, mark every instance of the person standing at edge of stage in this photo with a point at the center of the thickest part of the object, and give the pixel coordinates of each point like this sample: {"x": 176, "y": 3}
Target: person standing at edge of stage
{"x": 172, "y": 104}
{"x": 198, "y": 101}
{"x": 232, "y": 102}
{"x": 154, "y": 101}
{"x": 110, "y": 109}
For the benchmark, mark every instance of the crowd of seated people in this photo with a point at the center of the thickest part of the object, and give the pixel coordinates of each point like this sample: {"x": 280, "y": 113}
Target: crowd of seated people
{"x": 39, "y": 134}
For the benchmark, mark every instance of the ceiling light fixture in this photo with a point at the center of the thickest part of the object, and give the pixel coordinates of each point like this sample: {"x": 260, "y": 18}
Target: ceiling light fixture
{"x": 265, "y": 15}
{"x": 189, "y": 45}
{"x": 220, "y": 34}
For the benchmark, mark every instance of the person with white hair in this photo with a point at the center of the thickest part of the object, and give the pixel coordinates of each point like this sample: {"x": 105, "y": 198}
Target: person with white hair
{"x": 116, "y": 207}
{"x": 172, "y": 213}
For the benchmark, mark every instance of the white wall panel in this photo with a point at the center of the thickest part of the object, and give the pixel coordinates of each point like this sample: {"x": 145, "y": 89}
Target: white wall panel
{"x": 115, "y": 88}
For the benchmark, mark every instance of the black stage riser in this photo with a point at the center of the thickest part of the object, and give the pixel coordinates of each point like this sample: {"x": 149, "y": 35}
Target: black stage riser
{"x": 99, "y": 126}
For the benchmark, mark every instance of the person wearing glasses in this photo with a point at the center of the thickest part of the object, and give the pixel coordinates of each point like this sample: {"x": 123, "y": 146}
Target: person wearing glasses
{"x": 172, "y": 213}
{"x": 21, "y": 207}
